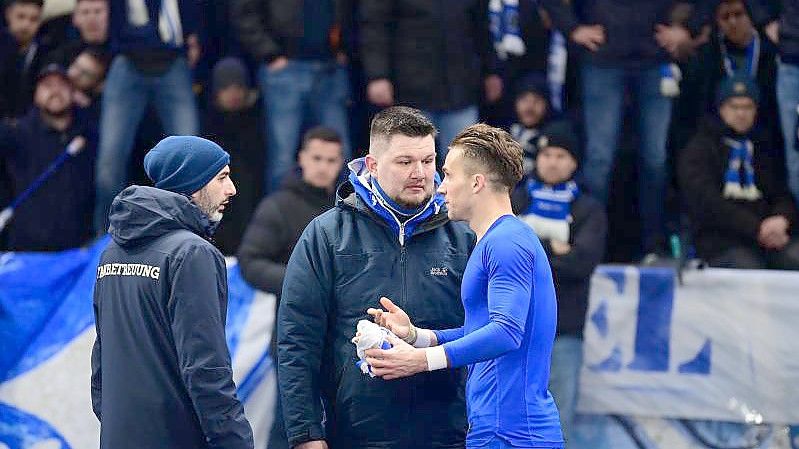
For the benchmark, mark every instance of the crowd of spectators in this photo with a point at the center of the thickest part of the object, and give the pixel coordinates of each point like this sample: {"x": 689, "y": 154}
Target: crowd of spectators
{"x": 644, "y": 123}
{"x": 643, "y": 86}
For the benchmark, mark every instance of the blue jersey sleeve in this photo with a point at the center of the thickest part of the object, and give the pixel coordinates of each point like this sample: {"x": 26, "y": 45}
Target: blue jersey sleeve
{"x": 446, "y": 335}
{"x": 510, "y": 267}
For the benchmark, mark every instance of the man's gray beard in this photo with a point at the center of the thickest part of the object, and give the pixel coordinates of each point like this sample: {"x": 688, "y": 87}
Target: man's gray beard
{"x": 207, "y": 206}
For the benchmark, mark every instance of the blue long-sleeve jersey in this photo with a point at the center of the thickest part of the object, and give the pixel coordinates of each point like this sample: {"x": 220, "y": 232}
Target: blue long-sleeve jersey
{"x": 510, "y": 319}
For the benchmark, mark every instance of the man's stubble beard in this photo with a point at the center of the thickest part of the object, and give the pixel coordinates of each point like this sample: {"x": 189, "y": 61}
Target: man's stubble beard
{"x": 207, "y": 206}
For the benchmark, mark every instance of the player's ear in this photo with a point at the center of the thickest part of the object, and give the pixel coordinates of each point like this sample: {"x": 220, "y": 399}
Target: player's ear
{"x": 478, "y": 182}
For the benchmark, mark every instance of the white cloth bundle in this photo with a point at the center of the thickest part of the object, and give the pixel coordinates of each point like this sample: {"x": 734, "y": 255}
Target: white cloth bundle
{"x": 371, "y": 336}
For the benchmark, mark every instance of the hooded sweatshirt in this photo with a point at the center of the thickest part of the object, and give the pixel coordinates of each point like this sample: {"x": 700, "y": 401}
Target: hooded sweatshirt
{"x": 161, "y": 372}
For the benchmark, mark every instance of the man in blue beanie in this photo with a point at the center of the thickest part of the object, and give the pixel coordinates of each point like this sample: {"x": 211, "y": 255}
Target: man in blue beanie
{"x": 161, "y": 371}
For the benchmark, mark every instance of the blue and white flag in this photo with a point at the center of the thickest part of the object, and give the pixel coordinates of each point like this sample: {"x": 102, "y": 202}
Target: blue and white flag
{"x": 722, "y": 346}
{"x": 46, "y": 336}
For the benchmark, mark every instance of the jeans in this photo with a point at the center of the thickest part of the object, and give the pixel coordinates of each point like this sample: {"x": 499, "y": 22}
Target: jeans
{"x": 126, "y": 95}
{"x": 603, "y": 98}
{"x": 788, "y": 100}
{"x": 301, "y": 94}
{"x": 450, "y": 124}
{"x": 567, "y": 358}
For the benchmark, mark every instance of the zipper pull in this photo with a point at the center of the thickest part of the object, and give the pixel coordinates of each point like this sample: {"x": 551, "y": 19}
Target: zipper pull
{"x": 402, "y": 235}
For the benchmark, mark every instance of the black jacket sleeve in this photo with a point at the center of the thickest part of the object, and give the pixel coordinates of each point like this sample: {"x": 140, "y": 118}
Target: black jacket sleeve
{"x": 301, "y": 333}
{"x": 702, "y": 190}
{"x": 588, "y": 245}
{"x": 562, "y": 14}
{"x": 775, "y": 186}
{"x": 264, "y": 241}
{"x": 248, "y": 17}
{"x": 197, "y": 316}
{"x": 489, "y": 62}
{"x": 96, "y": 382}
{"x": 375, "y": 27}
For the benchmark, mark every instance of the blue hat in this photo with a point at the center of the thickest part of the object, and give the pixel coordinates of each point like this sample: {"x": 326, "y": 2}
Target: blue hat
{"x": 184, "y": 164}
{"x": 737, "y": 86}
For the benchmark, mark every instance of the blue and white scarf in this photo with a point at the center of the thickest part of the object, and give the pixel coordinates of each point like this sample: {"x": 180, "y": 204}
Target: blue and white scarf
{"x": 739, "y": 180}
{"x": 549, "y": 212}
{"x": 556, "y": 69}
{"x": 170, "y": 29}
{"x": 528, "y": 139}
{"x": 670, "y": 77}
{"x": 752, "y": 58}
{"x": 506, "y": 32}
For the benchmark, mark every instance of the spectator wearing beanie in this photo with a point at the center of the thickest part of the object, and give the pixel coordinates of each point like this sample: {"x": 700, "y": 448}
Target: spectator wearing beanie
{"x": 739, "y": 203}
{"x": 533, "y": 110}
{"x": 160, "y": 305}
{"x": 572, "y": 227}
{"x": 735, "y": 48}
{"x": 233, "y": 119}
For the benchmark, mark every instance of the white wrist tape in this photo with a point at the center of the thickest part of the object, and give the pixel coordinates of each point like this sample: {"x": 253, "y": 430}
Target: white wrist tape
{"x": 423, "y": 338}
{"x": 436, "y": 358}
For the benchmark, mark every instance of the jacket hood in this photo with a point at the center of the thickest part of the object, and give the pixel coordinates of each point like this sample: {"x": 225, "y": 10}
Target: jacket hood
{"x": 140, "y": 213}
{"x": 371, "y": 200}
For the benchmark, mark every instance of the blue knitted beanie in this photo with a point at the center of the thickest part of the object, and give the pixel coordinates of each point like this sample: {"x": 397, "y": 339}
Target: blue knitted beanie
{"x": 184, "y": 164}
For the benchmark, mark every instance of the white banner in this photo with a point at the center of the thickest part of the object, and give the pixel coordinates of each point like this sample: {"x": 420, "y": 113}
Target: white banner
{"x": 722, "y": 346}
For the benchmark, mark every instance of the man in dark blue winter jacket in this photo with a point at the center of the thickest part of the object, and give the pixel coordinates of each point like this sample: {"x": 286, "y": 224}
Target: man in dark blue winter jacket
{"x": 390, "y": 237}
{"x": 161, "y": 373}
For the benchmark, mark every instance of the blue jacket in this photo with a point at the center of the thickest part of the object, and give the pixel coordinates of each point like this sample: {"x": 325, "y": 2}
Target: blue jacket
{"x": 345, "y": 260}
{"x": 161, "y": 374}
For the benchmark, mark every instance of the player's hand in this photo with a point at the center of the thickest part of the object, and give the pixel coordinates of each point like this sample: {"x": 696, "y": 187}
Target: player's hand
{"x": 315, "y": 444}
{"x": 589, "y": 36}
{"x": 380, "y": 92}
{"x": 392, "y": 318}
{"x": 402, "y": 360}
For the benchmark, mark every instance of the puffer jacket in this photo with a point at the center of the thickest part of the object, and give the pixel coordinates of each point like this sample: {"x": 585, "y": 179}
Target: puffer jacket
{"x": 344, "y": 262}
